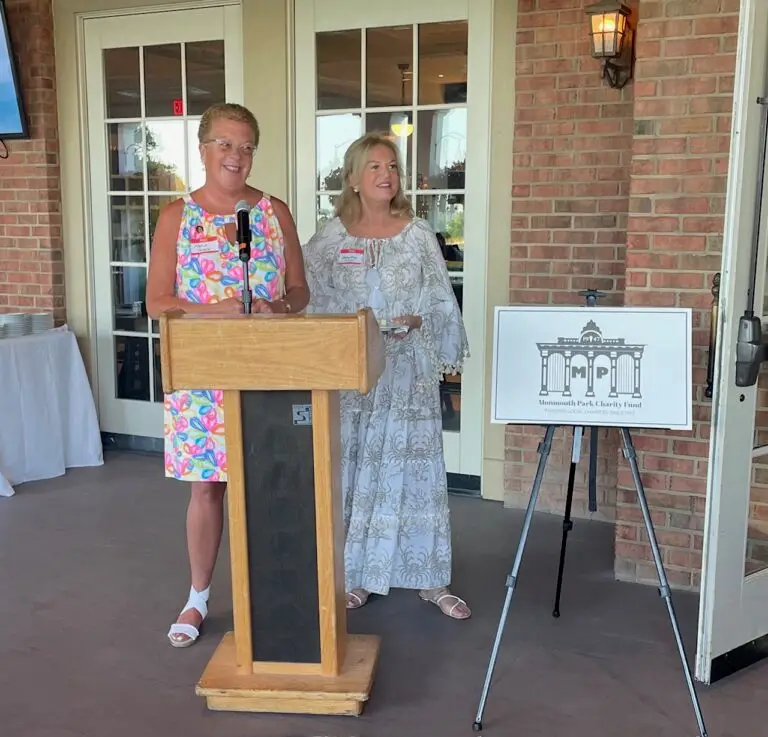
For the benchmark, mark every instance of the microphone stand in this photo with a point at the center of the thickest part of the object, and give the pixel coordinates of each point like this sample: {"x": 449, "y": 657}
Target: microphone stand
{"x": 245, "y": 257}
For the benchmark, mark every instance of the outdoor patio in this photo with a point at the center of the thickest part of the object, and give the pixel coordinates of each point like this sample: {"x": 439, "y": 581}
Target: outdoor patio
{"x": 93, "y": 570}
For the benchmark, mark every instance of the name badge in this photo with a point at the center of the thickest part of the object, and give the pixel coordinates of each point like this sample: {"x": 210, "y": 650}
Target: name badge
{"x": 209, "y": 245}
{"x": 351, "y": 257}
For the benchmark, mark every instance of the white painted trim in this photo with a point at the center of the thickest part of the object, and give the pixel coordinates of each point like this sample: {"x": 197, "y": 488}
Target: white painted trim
{"x": 290, "y": 86}
{"x": 85, "y": 169}
{"x": 733, "y": 608}
{"x": 343, "y": 15}
{"x": 166, "y": 8}
{"x": 477, "y": 200}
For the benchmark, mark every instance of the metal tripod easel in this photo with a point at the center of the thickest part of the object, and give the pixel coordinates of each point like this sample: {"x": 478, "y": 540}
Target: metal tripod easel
{"x": 629, "y": 452}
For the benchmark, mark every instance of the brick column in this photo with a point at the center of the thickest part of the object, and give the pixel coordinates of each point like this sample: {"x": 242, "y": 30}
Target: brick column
{"x": 32, "y": 272}
{"x": 683, "y": 97}
{"x": 572, "y": 151}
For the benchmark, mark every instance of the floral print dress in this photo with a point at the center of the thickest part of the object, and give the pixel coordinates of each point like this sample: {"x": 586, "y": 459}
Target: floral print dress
{"x": 209, "y": 270}
{"x": 396, "y": 516}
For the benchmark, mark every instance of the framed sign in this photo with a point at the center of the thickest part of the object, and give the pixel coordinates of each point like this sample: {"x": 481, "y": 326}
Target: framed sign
{"x": 607, "y": 366}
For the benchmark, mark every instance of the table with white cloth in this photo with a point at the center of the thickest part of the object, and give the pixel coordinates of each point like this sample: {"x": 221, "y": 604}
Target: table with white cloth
{"x": 48, "y": 419}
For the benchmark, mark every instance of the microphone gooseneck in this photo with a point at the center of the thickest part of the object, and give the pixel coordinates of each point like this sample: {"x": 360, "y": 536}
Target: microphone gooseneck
{"x": 243, "y": 225}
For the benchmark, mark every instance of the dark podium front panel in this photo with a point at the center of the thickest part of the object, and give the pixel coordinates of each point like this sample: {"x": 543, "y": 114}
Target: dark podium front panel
{"x": 278, "y": 467}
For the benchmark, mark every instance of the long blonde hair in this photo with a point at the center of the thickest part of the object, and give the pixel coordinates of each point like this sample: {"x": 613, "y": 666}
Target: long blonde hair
{"x": 347, "y": 207}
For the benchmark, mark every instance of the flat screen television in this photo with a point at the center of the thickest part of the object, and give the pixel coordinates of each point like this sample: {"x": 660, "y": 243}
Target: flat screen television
{"x": 13, "y": 117}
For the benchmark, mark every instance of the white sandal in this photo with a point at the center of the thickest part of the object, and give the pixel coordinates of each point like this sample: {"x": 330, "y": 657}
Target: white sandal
{"x": 437, "y": 599}
{"x": 197, "y": 600}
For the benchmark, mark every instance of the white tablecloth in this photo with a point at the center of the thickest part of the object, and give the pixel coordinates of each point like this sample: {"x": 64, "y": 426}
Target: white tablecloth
{"x": 48, "y": 418}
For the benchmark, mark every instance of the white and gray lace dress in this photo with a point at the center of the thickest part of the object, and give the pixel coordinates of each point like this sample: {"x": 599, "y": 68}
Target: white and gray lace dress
{"x": 396, "y": 516}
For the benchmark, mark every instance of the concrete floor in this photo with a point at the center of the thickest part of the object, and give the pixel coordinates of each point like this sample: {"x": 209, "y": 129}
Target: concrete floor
{"x": 93, "y": 570}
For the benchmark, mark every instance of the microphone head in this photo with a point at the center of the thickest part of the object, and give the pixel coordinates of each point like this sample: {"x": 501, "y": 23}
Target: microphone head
{"x": 242, "y": 206}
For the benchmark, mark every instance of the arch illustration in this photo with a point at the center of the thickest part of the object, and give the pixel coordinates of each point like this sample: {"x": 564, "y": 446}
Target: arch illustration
{"x": 622, "y": 361}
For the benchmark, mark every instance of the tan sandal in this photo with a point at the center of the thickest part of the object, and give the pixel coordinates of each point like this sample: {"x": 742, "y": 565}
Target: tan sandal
{"x": 357, "y": 598}
{"x": 438, "y": 596}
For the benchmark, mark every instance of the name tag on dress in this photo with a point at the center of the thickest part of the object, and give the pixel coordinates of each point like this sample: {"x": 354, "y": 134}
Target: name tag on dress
{"x": 209, "y": 245}
{"x": 351, "y": 257}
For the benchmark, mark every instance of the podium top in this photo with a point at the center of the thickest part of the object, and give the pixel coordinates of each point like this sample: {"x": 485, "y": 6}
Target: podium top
{"x": 272, "y": 352}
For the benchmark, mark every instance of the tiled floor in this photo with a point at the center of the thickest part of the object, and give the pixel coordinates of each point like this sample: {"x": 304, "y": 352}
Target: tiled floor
{"x": 92, "y": 571}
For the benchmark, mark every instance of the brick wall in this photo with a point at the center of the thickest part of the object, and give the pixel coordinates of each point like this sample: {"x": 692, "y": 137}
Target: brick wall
{"x": 625, "y": 191}
{"x": 683, "y": 97}
{"x": 570, "y": 199}
{"x": 32, "y": 271}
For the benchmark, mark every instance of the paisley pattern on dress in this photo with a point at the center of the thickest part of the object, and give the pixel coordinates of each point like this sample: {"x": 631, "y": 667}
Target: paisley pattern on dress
{"x": 396, "y": 515}
{"x": 208, "y": 270}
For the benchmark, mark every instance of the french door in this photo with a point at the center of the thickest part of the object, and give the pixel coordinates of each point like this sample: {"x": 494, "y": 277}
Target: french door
{"x": 149, "y": 77}
{"x": 733, "y": 626}
{"x": 417, "y": 71}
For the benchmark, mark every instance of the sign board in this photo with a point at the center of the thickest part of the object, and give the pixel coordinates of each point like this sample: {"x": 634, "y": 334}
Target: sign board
{"x": 607, "y": 366}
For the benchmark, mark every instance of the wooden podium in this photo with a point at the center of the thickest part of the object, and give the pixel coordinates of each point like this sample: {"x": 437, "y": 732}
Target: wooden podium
{"x": 281, "y": 374}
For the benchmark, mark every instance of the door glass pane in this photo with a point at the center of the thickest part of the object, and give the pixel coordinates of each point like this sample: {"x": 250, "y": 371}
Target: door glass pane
{"x": 325, "y": 205}
{"x": 445, "y": 213}
{"x": 129, "y": 286}
{"x": 122, "y": 84}
{"x": 132, "y": 367}
{"x": 151, "y": 162}
{"x": 162, "y": 80}
{"x": 157, "y": 203}
{"x": 127, "y": 224}
{"x": 126, "y": 156}
{"x": 339, "y": 69}
{"x": 756, "y": 554}
{"x": 194, "y": 160}
{"x": 335, "y": 133}
{"x": 442, "y": 143}
{"x": 156, "y": 365}
{"x": 166, "y": 170}
{"x": 443, "y": 63}
{"x": 389, "y": 66}
{"x": 205, "y": 75}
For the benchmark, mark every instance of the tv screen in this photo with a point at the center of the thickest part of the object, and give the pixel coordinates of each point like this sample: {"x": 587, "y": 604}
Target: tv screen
{"x": 13, "y": 119}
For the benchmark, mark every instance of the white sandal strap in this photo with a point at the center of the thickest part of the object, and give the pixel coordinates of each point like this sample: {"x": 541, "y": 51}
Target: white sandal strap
{"x": 197, "y": 600}
{"x": 459, "y": 601}
{"x": 184, "y": 629}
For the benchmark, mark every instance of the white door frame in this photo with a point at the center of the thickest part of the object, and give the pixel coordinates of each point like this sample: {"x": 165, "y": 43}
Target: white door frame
{"x": 95, "y": 167}
{"x": 733, "y": 608}
{"x": 464, "y": 450}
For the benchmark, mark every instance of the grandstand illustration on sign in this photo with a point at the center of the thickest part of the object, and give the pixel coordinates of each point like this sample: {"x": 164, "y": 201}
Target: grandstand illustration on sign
{"x": 591, "y": 357}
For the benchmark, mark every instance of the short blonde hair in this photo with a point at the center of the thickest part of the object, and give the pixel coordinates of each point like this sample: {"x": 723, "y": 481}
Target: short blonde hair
{"x": 228, "y": 111}
{"x": 348, "y": 208}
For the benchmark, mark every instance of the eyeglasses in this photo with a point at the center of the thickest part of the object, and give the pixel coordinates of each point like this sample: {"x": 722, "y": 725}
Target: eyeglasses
{"x": 225, "y": 146}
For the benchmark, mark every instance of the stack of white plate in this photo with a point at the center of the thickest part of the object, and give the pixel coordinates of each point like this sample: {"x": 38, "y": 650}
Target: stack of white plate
{"x": 41, "y": 321}
{"x": 16, "y": 324}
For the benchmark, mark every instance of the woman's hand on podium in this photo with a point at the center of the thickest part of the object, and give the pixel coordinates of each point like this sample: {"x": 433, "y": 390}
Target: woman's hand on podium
{"x": 269, "y": 308}
{"x": 229, "y": 306}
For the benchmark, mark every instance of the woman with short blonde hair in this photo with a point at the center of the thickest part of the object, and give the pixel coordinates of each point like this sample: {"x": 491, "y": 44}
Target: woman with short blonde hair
{"x": 375, "y": 253}
{"x": 195, "y": 266}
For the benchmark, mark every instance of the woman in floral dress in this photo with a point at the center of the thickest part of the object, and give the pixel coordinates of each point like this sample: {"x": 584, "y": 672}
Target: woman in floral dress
{"x": 375, "y": 253}
{"x": 195, "y": 266}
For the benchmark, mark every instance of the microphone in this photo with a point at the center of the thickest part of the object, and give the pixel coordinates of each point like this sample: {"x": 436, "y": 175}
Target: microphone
{"x": 243, "y": 218}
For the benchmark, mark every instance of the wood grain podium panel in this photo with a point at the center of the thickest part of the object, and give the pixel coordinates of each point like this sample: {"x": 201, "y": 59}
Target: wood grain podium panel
{"x": 322, "y": 352}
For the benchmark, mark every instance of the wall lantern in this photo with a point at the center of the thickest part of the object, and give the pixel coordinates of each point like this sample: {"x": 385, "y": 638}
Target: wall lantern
{"x": 613, "y": 41}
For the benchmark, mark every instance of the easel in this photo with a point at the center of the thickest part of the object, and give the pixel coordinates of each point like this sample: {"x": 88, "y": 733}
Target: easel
{"x": 629, "y": 453}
